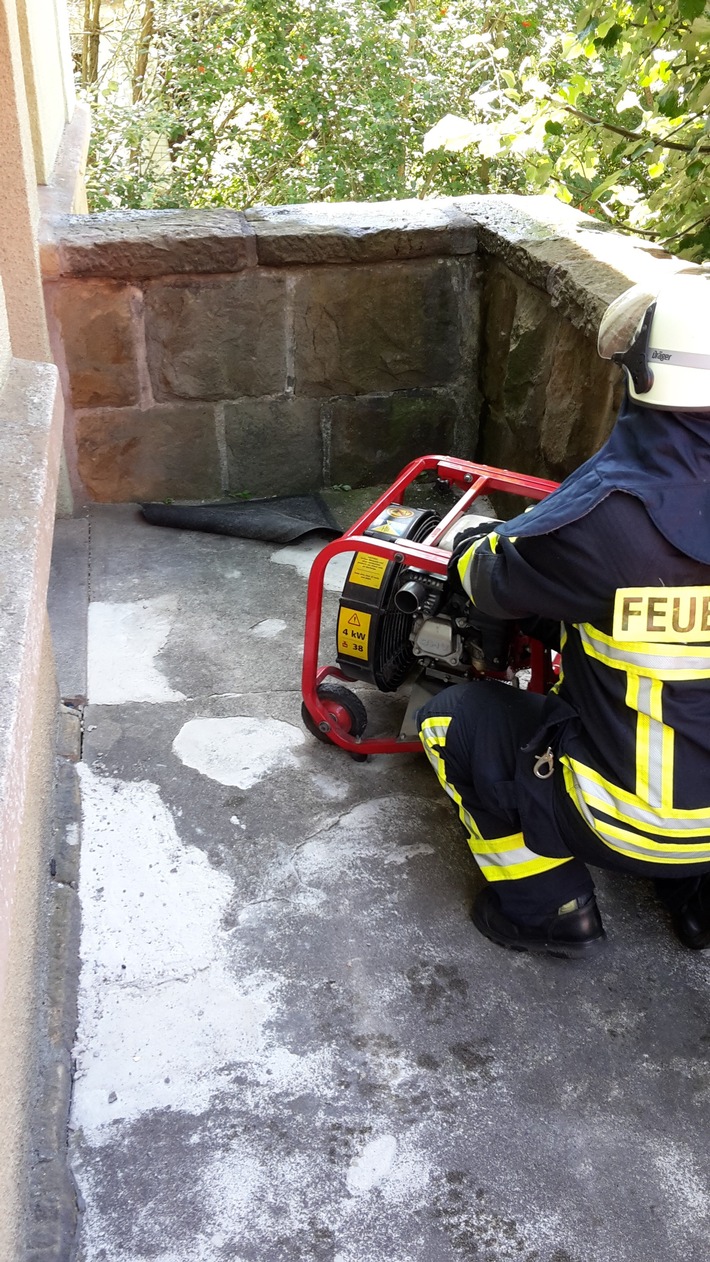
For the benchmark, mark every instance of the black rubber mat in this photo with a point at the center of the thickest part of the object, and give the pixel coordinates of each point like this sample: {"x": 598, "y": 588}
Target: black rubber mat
{"x": 280, "y": 519}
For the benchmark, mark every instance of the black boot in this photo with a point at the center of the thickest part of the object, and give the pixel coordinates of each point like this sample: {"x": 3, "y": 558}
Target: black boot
{"x": 688, "y": 900}
{"x": 572, "y": 932}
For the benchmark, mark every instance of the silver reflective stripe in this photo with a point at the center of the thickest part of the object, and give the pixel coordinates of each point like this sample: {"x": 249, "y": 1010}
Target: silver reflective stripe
{"x": 432, "y": 727}
{"x": 645, "y": 818}
{"x": 655, "y": 743}
{"x": 650, "y": 661}
{"x": 678, "y": 359}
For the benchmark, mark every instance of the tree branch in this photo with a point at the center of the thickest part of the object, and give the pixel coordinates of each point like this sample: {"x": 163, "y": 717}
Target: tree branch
{"x": 656, "y": 141}
{"x": 145, "y": 39}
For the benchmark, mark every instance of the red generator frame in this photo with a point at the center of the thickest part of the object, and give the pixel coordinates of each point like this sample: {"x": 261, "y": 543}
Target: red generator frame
{"x": 473, "y": 480}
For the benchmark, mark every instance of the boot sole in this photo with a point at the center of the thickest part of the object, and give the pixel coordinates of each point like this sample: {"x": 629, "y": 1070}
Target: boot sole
{"x": 531, "y": 946}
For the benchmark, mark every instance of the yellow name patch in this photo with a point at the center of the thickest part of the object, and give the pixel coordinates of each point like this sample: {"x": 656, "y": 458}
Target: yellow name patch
{"x": 353, "y": 632}
{"x": 678, "y": 615}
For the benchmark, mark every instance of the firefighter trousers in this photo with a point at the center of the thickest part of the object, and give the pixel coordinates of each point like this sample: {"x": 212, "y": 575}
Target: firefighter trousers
{"x": 472, "y": 735}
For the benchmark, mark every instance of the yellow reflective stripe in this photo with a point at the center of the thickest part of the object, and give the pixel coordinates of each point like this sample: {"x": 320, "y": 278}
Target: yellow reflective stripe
{"x": 594, "y": 790}
{"x": 501, "y": 845}
{"x": 676, "y": 661}
{"x": 437, "y": 727}
{"x": 631, "y": 844}
{"x": 506, "y": 858}
{"x": 663, "y": 750}
{"x": 464, "y": 563}
{"x": 668, "y": 763}
{"x": 434, "y": 730}
{"x": 509, "y": 859}
{"x": 637, "y": 847}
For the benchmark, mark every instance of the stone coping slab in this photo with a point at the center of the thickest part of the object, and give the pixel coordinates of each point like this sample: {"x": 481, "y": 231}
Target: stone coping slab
{"x": 356, "y": 232}
{"x": 581, "y": 263}
{"x": 138, "y": 244}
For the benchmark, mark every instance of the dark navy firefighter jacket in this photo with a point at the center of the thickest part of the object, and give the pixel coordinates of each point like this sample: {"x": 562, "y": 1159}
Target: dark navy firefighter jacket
{"x": 620, "y": 555}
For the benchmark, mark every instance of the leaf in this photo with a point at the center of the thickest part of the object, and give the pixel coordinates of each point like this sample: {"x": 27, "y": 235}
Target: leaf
{"x": 611, "y": 37}
{"x": 570, "y": 47}
{"x": 508, "y": 77}
{"x": 629, "y": 101}
{"x": 554, "y": 129}
{"x": 668, "y": 103}
{"x": 691, "y": 9}
{"x": 599, "y": 190}
{"x": 451, "y": 133}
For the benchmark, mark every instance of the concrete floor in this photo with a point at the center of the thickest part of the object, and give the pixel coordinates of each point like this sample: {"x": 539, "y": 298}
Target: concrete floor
{"x": 293, "y": 1045}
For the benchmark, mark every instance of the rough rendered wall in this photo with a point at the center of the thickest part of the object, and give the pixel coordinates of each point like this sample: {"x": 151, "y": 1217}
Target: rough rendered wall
{"x": 25, "y": 967}
{"x": 292, "y": 347}
{"x": 30, "y": 441}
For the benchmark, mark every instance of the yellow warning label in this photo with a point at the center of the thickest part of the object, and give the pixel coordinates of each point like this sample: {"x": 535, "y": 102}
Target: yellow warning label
{"x": 678, "y": 615}
{"x": 368, "y": 571}
{"x": 353, "y": 632}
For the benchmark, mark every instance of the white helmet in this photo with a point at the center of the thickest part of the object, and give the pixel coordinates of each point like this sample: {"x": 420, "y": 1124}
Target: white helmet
{"x": 663, "y": 341}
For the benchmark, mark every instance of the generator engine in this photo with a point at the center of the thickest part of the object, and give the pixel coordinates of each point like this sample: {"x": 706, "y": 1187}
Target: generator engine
{"x": 402, "y": 624}
{"x": 392, "y": 618}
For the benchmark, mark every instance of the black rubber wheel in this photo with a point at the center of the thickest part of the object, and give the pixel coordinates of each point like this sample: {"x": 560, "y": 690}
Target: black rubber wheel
{"x": 346, "y": 710}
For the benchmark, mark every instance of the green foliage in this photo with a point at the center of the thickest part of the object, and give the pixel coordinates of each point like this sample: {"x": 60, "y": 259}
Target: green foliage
{"x": 265, "y": 101}
{"x": 613, "y": 117}
{"x": 248, "y": 101}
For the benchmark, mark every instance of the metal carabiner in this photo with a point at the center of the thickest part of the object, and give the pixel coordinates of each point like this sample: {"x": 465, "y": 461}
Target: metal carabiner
{"x": 544, "y": 765}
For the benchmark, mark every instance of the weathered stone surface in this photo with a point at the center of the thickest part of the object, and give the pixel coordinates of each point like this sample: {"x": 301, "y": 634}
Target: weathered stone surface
{"x": 582, "y": 264}
{"x": 126, "y": 454}
{"x": 581, "y": 401}
{"x": 548, "y": 397}
{"x": 220, "y": 339}
{"x": 98, "y": 320}
{"x": 396, "y": 326}
{"x": 355, "y": 232}
{"x": 274, "y": 446}
{"x": 373, "y": 438}
{"x": 136, "y": 244}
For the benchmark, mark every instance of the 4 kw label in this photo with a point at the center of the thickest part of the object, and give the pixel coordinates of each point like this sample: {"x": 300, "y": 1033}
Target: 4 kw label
{"x": 353, "y": 632}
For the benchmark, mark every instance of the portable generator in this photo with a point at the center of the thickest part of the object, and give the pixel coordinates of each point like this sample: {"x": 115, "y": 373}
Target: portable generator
{"x": 399, "y": 622}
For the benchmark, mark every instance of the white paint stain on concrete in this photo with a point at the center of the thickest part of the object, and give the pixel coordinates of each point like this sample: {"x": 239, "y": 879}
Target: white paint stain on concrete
{"x": 300, "y": 556}
{"x": 688, "y": 1191}
{"x": 329, "y": 787}
{"x": 404, "y": 853}
{"x": 161, "y": 1013}
{"x": 168, "y": 1014}
{"x": 370, "y": 830}
{"x": 124, "y": 640}
{"x": 237, "y": 751}
{"x": 372, "y": 1165}
{"x": 269, "y": 628}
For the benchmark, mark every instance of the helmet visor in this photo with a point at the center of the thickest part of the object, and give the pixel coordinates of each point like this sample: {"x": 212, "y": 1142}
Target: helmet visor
{"x": 622, "y": 321}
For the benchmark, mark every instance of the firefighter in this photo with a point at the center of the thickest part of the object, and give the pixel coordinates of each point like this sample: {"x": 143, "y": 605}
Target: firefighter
{"x": 612, "y": 767}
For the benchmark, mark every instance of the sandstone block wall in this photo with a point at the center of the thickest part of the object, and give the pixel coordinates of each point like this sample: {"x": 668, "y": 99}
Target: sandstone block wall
{"x": 291, "y": 347}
